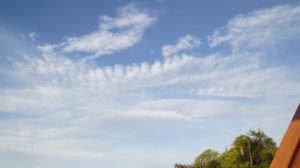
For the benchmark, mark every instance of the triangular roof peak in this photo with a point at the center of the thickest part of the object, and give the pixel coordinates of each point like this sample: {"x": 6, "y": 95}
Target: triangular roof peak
{"x": 288, "y": 154}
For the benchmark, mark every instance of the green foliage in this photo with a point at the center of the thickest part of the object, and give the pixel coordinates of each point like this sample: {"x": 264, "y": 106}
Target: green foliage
{"x": 205, "y": 158}
{"x": 214, "y": 164}
{"x": 229, "y": 159}
{"x": 253, "y": 150}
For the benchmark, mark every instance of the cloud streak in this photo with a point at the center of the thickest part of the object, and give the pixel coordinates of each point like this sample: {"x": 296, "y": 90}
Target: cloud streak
{"x": 114, "y": 33}
{"x": 260, "y": 29}
{"x": 186, "y": 42}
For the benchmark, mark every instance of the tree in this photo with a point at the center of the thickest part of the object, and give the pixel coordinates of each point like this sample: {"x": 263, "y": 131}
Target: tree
{"x": 205, "y": 158}
{"x": 242, "y": 145}
{"x": 264, "y": 148}
{"x": 252, "y": 150}
{"x": 255, "y": 149}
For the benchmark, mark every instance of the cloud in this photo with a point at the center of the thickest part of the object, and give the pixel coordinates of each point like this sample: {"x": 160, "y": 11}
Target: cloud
{"x": 184, "y": 43}
{"x": 259, "y": 29}
{"x": 155, "y": 114}
{"x": 189, "y": 108}
{"x": 242, "y": 75}
{"x": 60, "y": 147}
{"x": 33, "y": 36}
{"x": 114, "y": 34}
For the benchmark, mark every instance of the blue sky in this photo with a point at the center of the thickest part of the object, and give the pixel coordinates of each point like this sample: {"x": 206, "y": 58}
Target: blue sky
{"x": 142, "y": 83}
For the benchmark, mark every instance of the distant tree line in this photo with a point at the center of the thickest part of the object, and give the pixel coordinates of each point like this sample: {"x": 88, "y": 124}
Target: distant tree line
{"x": 252, "y": 150}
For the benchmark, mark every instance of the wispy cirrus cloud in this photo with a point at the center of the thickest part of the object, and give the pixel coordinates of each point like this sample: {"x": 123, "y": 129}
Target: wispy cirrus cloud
{"x": 33, "y": 36}
{"x": 260, "y": 29}
{"x": 114, "y": 33}
{"x": 186, "y": 42}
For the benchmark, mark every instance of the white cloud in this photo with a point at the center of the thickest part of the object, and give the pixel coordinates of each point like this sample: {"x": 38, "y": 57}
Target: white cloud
{"x": 184, "y": 43}
{"x": 154, "y": 114}
{"x": 260, "y": 29}
{"x": 242, "y": 75}
{"x": 33, "y": 36}
{"x": 189, "y": 108}
{"x": 114, "y": 34}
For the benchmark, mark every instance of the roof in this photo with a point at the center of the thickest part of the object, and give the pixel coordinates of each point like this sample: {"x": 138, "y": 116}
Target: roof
{"x": 288, "y": 154}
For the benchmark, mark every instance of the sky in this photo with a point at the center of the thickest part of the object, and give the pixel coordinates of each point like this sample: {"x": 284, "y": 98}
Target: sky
{"x": 142, "y": 83}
